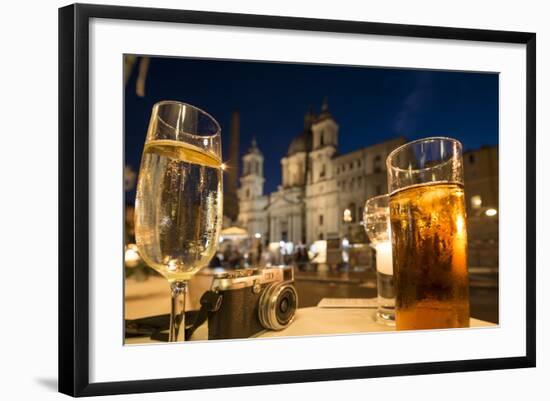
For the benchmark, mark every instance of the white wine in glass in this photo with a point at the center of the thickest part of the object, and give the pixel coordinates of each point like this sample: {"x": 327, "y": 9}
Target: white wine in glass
{"x": 179, "y": 198}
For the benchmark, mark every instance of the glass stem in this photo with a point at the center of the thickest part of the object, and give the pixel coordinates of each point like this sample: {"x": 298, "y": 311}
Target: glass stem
{"x": 177, "y": 312}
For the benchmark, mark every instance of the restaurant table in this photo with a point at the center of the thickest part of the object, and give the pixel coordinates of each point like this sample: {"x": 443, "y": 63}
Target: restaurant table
{"x": 308, "y": 321}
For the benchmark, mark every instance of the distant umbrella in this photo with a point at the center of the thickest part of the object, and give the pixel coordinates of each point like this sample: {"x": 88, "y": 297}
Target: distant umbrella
{"x": 234, "y": 233}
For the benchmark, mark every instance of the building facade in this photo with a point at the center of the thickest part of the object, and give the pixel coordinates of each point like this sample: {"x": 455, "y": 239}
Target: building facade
{"x": 481, "y": 179}
{"x": 322, "y": 193}
{"x": 482, "y": 205}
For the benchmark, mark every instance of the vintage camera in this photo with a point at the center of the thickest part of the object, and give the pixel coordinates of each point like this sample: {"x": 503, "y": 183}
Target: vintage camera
{"x": 244, "y": 302}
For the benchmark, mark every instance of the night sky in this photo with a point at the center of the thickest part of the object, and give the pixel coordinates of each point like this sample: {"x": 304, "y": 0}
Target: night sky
{"x": 369, "y": 104}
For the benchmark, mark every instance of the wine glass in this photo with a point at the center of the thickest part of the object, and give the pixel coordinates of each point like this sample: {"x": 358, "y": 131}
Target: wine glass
{"x": 178, "y": 214}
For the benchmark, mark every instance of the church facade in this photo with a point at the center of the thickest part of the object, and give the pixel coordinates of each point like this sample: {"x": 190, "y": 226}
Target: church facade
{"x": 322, "y": 193}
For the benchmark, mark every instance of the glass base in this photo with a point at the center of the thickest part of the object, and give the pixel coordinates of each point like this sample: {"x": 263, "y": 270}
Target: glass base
{"x": 386, "y": 317}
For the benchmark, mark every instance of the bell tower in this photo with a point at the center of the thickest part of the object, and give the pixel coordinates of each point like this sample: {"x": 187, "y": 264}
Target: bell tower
{"x": 325, "y": 143}
{"x": 252, "y": 179}
{"x": 252, "y": 202}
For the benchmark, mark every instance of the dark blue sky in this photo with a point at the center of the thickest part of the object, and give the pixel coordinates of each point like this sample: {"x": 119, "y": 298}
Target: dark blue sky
{"x": 370, "y": 104}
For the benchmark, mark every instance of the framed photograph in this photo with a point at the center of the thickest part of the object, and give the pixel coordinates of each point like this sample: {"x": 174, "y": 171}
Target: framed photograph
{"x": 251, "y": 199}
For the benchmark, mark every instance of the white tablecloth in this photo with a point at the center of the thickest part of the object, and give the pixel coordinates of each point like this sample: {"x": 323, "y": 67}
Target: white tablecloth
{"x": 151, "y": 298}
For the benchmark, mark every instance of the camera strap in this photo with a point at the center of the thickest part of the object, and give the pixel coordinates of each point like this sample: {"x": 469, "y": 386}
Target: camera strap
{"x": 210, "y": 301}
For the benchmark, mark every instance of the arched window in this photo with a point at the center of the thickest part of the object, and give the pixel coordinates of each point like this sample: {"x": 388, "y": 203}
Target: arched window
{"x": 322, "y": 139}
{"x": 347, "y": 216}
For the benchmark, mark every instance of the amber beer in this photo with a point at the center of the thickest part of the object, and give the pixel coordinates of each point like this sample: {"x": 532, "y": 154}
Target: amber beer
{"x": 429, "y": 246}
{"x": 428, "y": 224}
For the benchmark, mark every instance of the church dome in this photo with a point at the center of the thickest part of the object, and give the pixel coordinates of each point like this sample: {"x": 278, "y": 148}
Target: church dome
{"x": 301, "y": 143}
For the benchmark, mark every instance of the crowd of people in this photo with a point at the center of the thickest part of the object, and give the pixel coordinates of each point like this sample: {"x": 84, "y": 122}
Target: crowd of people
{"x": 232, "y": 256}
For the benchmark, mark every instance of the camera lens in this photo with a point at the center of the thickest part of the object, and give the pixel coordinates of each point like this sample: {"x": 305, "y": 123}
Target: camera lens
{"x": 283, "y": 307}
{"x": 286, "y": 306}
{"x": 278, "y": 306}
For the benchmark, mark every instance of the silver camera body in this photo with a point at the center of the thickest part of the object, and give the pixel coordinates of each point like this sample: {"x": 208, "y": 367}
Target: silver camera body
{"x": 251, "y": 300}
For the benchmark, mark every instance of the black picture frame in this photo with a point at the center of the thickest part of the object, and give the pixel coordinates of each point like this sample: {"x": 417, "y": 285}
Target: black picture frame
{"x": 74, "y": 198}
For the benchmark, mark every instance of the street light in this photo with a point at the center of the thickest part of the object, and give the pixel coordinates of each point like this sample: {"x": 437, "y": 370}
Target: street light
{"x": 476, "y": 201}
{"x": 131, "y": 255}
{"x": 491, "y": 212}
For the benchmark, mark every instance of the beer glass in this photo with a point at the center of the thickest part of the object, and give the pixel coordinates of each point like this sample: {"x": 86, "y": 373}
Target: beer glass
{"x": 428, "y": 225}
{"x": 178, "y": 214}
{"x": 376, "y": 217}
